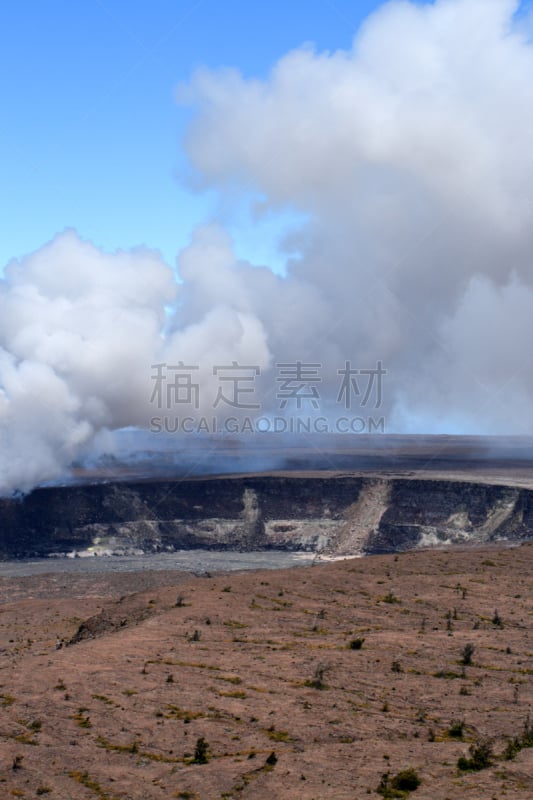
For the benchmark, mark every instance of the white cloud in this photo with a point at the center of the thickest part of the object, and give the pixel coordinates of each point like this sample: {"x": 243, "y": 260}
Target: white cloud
{"x": 411, "y": 153}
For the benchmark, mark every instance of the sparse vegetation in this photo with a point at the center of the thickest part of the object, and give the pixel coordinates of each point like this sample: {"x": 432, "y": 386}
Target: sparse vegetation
{"x": 247, "y": 697}
{"x": 85, "y": 779}
{"x": 175, "y": 712}
{"x": 517, "y": 743}
{"x": 230, "y": 679}
{"x": 83, "y": 719}
{"x": 133, "y": 747}
{"x": 103, "y": 699}
{"x": 231, "y": 623}
{"x": 277, "y": 736}
{"x": 6, "y": 700}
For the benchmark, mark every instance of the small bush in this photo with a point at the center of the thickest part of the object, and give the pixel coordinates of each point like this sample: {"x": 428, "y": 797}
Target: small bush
{"x": 497, "y": 620}
{"x": 467, "y": 653}
{"x": 398, "y": 786}
{"x": 527, "y": 735}
{"x": 390, "y": 597}
{"x": 317, "y": 681}
{"x": 201, "y": 751}
{"x": 457, "y": 729}
{"x": 407, "y": 780}
{"x": 480, "y": 757}
{"x": 356, "y": 644}
{"x": 516, "y": 744}
{"x": 512, "y": 748}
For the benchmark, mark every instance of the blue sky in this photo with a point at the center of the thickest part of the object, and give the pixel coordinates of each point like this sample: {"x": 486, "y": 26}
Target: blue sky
{"x": 90, "y": 132}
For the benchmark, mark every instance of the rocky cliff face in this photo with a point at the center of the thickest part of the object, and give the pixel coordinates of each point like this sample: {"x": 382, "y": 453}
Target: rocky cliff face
{"x": 334, "y": 514}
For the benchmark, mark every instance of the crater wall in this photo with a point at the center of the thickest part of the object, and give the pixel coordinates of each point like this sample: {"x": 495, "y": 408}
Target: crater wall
{"x": 339, "y": 515}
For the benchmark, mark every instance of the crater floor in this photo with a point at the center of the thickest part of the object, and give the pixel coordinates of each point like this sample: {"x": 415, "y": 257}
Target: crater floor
{"x": 345, "y": 671}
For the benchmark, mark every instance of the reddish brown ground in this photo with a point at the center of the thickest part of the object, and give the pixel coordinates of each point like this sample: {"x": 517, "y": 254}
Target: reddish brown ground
{"x": 118, "y": 715}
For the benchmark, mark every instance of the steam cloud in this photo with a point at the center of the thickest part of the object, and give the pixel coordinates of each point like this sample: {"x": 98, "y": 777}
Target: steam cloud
{"x": 410, "y": 155}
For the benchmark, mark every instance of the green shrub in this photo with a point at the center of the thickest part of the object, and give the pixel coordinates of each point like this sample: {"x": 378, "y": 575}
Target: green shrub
{"x": 400, "y": 785}
{"x": 390, "y": 597}
{"x": 456, "y": 729}
{"x": 406, "y": 781}
{"x": 497, "y": 620}
{"x": 200, "y": 751}
{"x": 467, "y": 653}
